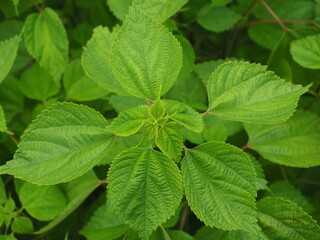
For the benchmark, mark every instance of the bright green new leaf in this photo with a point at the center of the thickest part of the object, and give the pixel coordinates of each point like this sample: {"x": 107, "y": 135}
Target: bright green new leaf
{"x": 159, "y": 10}
{"x": 37, "y": 83}
{"x": 46, "y": 40}
{"x": 96, "y": 59}
{"x": 63, "y": 143}
{"x": 217, "y": 19}
{"x": 287, "y": 191}
{"x": 76, "y": 192}
{"x": 145, "y": 188}
{"x": 22, "y": 225}
{"x": 10, "y": 205}
{"x": 246, "y": 92}
{"x": 157, "y": 110}
{"x": 42, "y": 202}
{"x": 184, "y": 115}
{"x": 282, "y": 219}
{"x": 170, "y": 140}
{"x": 129, "y": 121}
{"x": 292, "y": 143}
{"x": 220, "y": 185}
{"x": 306, "y": 51}
{"x": 8, "y": 50}
{"x": 79, "y": 86}
{"x": 3, "y": 124}
{"x": 104, "y": 225}
{"x": 145, "y": 57}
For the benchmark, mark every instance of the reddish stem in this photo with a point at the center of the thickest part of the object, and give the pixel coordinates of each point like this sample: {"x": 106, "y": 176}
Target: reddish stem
{"x": 274, "y": 15}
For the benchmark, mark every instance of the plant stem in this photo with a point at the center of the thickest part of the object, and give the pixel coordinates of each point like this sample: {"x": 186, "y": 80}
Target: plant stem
{"x": 274, "y": 15}
{"x": 245, "y": 147}
{"x": 184, "y": 216}
{"x": 13, "y": 139}
{"x": 284, "y": 174}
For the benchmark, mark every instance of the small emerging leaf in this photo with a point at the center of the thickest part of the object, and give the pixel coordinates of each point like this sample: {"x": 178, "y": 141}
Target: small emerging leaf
{"x": 157, "y": 110}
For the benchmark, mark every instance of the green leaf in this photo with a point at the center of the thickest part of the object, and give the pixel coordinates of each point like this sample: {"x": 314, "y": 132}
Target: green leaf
{"x": 3, "y": 124}
{"x": 46, "y": 40}
{"x": 37, "y": 83}
{"x": 22, "y": 225}
{"x": 220, "y": 185}
{"x": 261, "y": 178}
{"x": 96, "y": 59}
{"x": 8, "y": 49}
{"x": 123, "y": 103}
{"x": 306, "y": 51}
{"x": 104, "y": 225}
{"x": 282, "y": 219}
{"x": 145, "y": 188}
{"x": 287, "y": 191}
{"x": 246, "y": 92}
{"x": 3, "y": 194}
{"x": 145, "y": 57}
{"x": 3, "y": 215}
{"x": 159, "y": 10}
{"x": 220, "y": 2}
{"x": 79, "y": 86}
{"x": 7, "y": 237}
{"x": 184, "y": 115}
{"x": 10, "y": 205}
{"x": 129, "y": 121}
{"x": 217, "y": 19}
{"x": 63, "y": 143}
{"x": 179, "y": 235}
{"x": 157, "y": 110}
{"x": 170, "y": 140}
{"x": 42, "y": 202}
{"x": 292, "y": 143}
{"x": 76, "y": 192}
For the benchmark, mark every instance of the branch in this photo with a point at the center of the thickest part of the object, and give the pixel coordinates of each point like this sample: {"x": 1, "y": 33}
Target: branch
{"x": 275, "y": 16}
{"x": 184, "y": 216}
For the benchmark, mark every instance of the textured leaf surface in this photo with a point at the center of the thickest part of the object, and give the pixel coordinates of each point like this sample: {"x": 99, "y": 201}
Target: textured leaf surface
{"x": 220, "y": 184}
{"x": 41, "y": 34}
{"x": 8, "y": 50}
{"x": 96, "y": 59}
{"x": 145, "y": 57}
{"x": 129, "y": 121}
{"x": 63, "y": 143}
{"x": 282, "y": 219}
{"x": 37, "y": 83}
{"x": 157, "y": 109}
{"x": 246, "y": 92}
{"x": 42, "y": 202}
{"x": 306, "y": 51}
{"x": 170, "y": 140}
{"x": 184, "y": 115}
{"x": 261, "y": 178}
{"x": 104, "y": 225}
{"x": 292, "y": 143}
{"x": 145, "y": 188}
{"x": 79, "y": 86}
{"x": 76, "y": 192}
{"x": 217, "y": 19}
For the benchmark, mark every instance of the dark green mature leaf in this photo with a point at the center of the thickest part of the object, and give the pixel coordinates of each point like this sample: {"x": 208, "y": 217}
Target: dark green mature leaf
{"x": 282, "y": 219}
{"x": 184, "y": 115}
{"x": 63, "y": 143}
{"x": 145, "y": 187}
{"x": 37, "y": 83}
{"x": 42, "y": 202}
{"x": 46, "y": 40}
{"x": 306, "y": 51}
{"x": 292, "y": 143}
{"x": 104, "y": 225}
{"x": 246, "y": 92}
{"x": 220, "y": 184}
{"x": 123, "y": 103}
{"x": 217, "y": 19}
{"x": 145, "y": 57}
{"x": 8, "y": 50}
{"x": 3, "y": 195}
{"x": 129, "y": 121}
{"x": 96, "y": 59}
{"x": 3, "y": 124}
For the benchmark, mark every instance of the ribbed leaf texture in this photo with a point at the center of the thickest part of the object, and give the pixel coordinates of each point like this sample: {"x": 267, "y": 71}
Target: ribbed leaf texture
{"x": 292, "y": 143}
{"x": 306, "y": 51}
{"x": 145, "y": 57}
{"x": 220, "y": 184}
{"x": 157, "y": 109}
{"x": 104, "y": 225}
{"x": 242, "y": 91}
{"x": 63, "y": 143}
{"x": 129, "y": 121}
{"x": 282, "y": 219}
{"x": 184, "y": 115}
{"x": 46, "y": 40}
{"x": 145, "y": 188}
{"x": 96, "y": 59}
{"x": 8, "y": 50}
{"x": 170, "y": 140}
